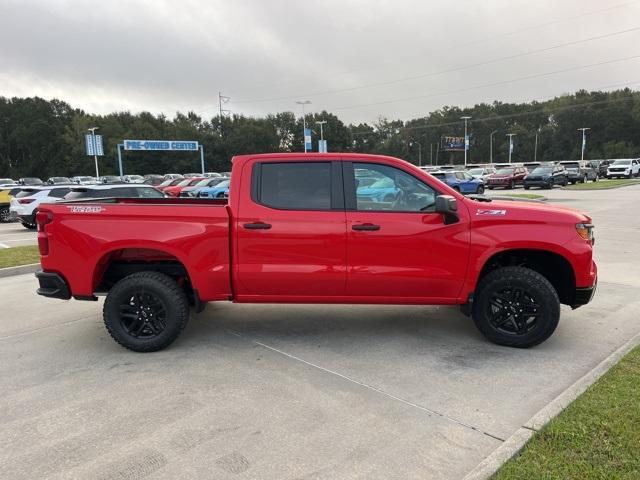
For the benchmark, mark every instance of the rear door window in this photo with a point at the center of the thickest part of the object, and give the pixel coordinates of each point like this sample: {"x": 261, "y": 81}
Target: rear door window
{"x": 293, "y": 185}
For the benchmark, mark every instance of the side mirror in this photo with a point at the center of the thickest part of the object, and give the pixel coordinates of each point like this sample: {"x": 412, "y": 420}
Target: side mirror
{"x": 448, "y": 207}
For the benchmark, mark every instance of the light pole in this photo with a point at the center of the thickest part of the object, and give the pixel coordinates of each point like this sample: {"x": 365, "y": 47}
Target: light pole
{"x": 95, "y": 145}
{"x": 535, "y": 148}
{"x": 304, "y": 121}
{"x": 419, "y": 151}
{"x": 466, "y": 138}
{"x": 491, "y": 145}
{"x": 584, "y": 140}
{"x": 321, "y": 123}
{"x": 510, "y": 135}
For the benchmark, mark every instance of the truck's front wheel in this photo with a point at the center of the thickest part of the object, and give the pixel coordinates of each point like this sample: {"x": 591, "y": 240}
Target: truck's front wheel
{"x": 145, "y": 311}
{"x": 516, "y": 307}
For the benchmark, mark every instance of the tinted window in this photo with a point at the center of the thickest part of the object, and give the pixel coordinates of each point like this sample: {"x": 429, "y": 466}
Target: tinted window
{"x": 295, "y": 186}
{"x": 58, "y": 192}
{"x": 402, "y": 192}
{"x": 148, "y": 193}
{"x": 26, "y": 193}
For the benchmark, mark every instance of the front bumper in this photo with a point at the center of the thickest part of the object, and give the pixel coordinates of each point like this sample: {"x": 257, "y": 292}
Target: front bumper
{"x": 537, "y": 183}
{"x": 52, "y": 285}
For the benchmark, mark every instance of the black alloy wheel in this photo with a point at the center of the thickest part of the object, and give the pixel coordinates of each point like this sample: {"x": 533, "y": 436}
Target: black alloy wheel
{"x": 513, "y": 311}
{"x": 5, "y": 215}
{"x": 144, "y": 315}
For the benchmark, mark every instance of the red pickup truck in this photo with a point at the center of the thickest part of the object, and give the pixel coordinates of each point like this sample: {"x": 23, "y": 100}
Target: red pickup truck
{"x": 319, "y": 228}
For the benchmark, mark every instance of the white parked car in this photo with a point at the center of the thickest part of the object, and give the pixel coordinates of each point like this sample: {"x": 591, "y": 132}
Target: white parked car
{"x": 481, "y": 173}
{"x": 82, "y": 180}
{"x": 133, "y": 179}
{"x": 24, "y": 205}
{"x": 624, "y": 167}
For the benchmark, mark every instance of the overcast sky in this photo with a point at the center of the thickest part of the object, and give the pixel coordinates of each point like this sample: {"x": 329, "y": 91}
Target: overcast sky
{"x": 358, "y": 59}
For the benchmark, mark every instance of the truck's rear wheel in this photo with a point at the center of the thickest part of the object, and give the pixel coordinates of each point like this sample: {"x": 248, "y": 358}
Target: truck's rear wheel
{"x": 146, "y": 311}
{"x": 516, "y": 307}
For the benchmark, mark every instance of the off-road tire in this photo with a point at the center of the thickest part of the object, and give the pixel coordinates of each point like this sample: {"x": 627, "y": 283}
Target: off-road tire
{"x": 159, "y": 285}
{"x": 535, "y": 285}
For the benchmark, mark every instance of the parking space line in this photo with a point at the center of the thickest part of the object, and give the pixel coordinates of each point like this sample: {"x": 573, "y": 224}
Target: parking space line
{"x": 370, "y": 387}
{"x": 18, "y": 239}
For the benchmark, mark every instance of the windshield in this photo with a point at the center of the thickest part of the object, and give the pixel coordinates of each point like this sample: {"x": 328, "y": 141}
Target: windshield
{"x": 183, "y": 183}
{"x": 383, "y": 183}
{"x": 622, "y": 162}
{"x": 542, "y": 170}
{"x": 476, "y": 171}
{"x": 505, "y": 171}
{"x": 223, "y": 184}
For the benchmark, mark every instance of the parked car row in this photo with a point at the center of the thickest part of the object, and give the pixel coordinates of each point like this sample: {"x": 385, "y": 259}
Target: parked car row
{"x": 538, "y": 174}
{"x": 24, "y": 203}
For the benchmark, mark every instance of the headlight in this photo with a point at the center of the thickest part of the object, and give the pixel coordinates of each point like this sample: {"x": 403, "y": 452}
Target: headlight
{"x": 585, "y": 230}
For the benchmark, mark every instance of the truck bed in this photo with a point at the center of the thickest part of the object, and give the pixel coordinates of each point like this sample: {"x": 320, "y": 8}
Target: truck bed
{"x": 176, "y": 232}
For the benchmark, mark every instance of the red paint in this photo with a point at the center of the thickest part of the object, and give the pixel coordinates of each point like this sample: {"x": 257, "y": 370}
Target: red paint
{"x": 308, "y": 256}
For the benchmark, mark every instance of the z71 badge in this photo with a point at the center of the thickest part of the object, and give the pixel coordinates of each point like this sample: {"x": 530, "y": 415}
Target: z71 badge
{"x": 85, "y": 209}
{"x": 490, "y": 212}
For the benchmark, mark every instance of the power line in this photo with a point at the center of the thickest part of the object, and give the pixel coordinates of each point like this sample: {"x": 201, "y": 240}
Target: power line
{"x": 514, "y": 115}
{"x": 478, "y": 40}
{"x": 450, "y": 70}
{"x": 486, "y": 85}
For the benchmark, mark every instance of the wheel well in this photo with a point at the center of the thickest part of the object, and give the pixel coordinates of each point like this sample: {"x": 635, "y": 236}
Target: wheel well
{"x": 552, "y": 266}
{"x": 121, "y": 263}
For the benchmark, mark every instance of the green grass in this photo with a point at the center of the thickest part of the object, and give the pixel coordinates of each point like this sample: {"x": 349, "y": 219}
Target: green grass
{"x": 596, "y": 437}
{"x": 531, "y": 196}
{"x": 604, "y": 184}
{"x": 12, "y": 257}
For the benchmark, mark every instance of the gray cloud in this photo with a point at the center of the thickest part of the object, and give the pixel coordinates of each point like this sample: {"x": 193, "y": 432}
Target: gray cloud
{"x": 164, "y": 56}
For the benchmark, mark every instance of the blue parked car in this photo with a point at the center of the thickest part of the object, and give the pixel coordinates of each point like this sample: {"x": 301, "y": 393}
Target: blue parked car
{"x": 221, "y": 190}
{"x": 460, "y": 181}
{"x": 382, "y": 190}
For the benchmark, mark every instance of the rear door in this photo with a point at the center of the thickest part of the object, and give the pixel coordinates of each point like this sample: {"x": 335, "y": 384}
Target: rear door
{"x": 291, "y": 231}
{"x": 401, "y": 249}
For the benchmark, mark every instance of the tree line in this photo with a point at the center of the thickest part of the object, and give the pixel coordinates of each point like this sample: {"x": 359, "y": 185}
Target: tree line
{"x": 46, "y": 137}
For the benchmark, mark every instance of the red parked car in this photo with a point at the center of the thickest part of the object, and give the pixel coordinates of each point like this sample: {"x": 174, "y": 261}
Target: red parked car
{"x": 507, "y": 177}
{"x": 174, "y": 190}
{"x": 296, "y": 230}
{"x": 169, "y": 183}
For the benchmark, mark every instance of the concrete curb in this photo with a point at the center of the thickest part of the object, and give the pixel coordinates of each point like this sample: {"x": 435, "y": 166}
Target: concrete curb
{"x": 19, "y": 270}
{"x": 514, "y": 444}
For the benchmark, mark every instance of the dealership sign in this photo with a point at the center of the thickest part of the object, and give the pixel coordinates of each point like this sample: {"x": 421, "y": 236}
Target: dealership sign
{"x": 452, "y": 144}
{"x": 179, "y": 145}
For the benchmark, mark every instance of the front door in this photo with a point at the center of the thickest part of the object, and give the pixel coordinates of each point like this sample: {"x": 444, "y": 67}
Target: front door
{"x": 397, "y": 246}
{"x": 291, "y": 233}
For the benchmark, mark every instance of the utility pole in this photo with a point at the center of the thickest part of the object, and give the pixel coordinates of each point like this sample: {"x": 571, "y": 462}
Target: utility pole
{"x": 304, "y": 121}
{"x": 535, "y": 148}
{"x": 466, "y": 138}
{"x": 221, "y": 101}
{"x": 431, "y": 154}
{"x": 419, "y": 151}
{"x": 491, "y": 146}
{"x": 510, "y": 135}
{"x": 95, "y": 146}
{"x": 584, "y": 140}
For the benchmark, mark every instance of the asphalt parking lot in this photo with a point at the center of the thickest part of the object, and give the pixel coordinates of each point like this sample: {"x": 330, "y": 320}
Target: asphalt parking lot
{"x": 14, "y": 234}
{"x": 291, "y": 392}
